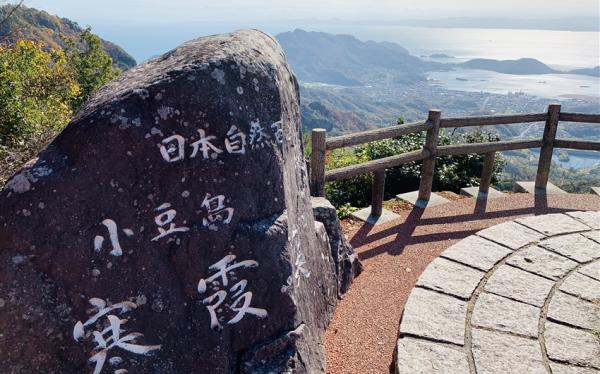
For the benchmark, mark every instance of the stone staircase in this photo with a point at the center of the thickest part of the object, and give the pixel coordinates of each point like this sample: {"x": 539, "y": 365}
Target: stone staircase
{"x": 412, "y": 197}
{"x": 364, "y": 214}
{"x": 474, "y": 192}
{"x": 529, "y": 187}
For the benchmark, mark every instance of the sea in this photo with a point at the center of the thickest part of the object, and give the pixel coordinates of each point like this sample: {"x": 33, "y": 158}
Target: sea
{"x": 561, "y": 50}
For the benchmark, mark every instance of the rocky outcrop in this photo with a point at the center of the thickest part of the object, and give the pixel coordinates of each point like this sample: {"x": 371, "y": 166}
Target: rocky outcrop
{"x": 347, "y": 265}
{"x": 169, "y": 228}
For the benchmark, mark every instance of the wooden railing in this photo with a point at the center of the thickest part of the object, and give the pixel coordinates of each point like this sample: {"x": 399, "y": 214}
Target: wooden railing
{"x": 321, "y": 144}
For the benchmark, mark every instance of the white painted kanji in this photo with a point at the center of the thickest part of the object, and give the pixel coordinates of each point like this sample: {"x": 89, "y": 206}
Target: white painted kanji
{"x": 278, "y": 130}
{"x": 258, "y": 136}
{"x": 166, "y": 218}
{"x": 113, "y": 235}
{"x": 111, "y": 335}
{"x": 172, "y": 148}
{"x": 205, "y": 146}
{"x": 217, "y": 212}
{"x": 241, "y": 304}
{"x": 300, "y": 269}
{"x": 235, "y": 142}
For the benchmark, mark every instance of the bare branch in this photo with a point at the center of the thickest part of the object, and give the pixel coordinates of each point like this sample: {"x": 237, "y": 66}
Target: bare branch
{"x": 14, "y": 9}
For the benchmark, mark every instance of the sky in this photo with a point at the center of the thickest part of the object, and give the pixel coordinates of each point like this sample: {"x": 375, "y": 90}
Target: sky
{"x": 146, "y": 28}
{"x": 232, "y": 11}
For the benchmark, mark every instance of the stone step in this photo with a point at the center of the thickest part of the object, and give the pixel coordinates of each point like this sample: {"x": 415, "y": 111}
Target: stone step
{"x": 413, "y": 198}
{"x": 364, "y": 214}
{"x": 529, "y": 187}
{"x": 474, "y": 192}
{"x": 596, "y": 190}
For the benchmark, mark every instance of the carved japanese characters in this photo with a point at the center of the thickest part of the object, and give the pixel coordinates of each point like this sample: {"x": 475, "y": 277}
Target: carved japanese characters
{"x": 219, "y": 283}
{"x": 111, "y": 335}
{"x": 168, "y": 228}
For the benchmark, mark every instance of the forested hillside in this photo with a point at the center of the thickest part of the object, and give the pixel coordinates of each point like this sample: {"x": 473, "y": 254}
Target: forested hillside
{"x": 37, "y": 25}
{"x": 346, "y": 61}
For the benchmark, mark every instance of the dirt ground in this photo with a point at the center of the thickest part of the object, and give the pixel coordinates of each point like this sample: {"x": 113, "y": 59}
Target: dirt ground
{"x": 363, "y": 332}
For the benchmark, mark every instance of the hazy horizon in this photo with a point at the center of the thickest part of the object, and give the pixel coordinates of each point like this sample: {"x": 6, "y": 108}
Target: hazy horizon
{"x": 233, "y": 11}
{"x": 146, "y": 28}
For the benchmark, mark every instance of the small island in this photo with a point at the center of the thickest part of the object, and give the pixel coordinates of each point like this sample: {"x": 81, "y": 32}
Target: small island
{"x": 523, "y": 66}
{"x": 440, "y": 55}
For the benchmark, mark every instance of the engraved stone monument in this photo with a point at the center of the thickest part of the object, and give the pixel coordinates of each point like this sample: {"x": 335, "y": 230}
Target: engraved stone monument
{"x": 169, "y": 228}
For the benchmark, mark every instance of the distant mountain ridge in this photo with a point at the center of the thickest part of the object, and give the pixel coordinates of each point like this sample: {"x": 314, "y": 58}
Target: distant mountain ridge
{"x": 594, "y": 72}
{"x": 523, "y": 66}
{"x": 32, "y": 24}
{"x": 345, "y": 60}
{"x": 374, "y": 83}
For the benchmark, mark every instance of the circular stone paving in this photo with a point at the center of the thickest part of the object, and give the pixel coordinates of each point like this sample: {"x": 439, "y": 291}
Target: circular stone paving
{"x": 519, "y": 297}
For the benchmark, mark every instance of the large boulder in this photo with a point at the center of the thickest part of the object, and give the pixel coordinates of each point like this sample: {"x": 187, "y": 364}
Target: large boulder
{"x": 169, "y": 228}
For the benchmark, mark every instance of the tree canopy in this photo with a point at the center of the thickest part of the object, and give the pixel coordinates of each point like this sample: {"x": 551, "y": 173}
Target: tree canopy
{"x": 41, "y": 88}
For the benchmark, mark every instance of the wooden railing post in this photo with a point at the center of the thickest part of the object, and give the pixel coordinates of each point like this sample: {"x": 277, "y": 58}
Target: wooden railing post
{"x": 377, "y": 191}
{"x": 543, "y": 171}
{"x": 428, "y": 166}
{"x": 486, "y": 175}
{"x": 317, "y": 163}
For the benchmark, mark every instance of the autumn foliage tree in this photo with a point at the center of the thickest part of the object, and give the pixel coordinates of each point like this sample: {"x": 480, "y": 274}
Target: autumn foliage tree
{"x": 40, "y": 89}
{"x": 36, "y": 89}
{"x": 92, "y": 66}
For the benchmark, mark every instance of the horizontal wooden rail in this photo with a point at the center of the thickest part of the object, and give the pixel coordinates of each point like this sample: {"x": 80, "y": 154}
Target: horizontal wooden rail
{"x": 579, "y": 117}
{"x": 375, "y": 165}
{"x": 461, "y": 149}
{"x": 377, "y": 134}
{"x": 493, "y": 120}
{"x": 583, "y": 145}
{"x": 321, "y": 144}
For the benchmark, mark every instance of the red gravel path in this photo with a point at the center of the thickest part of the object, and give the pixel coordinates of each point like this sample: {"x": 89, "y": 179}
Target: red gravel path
{"x": 362, "y": 334}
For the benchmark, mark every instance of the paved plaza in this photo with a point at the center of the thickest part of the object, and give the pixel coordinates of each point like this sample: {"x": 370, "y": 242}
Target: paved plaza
{"x": 518, "y": 297}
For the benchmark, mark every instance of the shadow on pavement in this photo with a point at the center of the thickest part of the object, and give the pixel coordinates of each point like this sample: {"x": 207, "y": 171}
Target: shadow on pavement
{"x": 404, "y": 230}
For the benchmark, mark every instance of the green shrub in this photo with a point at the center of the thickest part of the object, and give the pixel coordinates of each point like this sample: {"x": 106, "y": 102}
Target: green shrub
{"x": 92, "y": 66}
{"x": 36, "y": 88}
{"x": 355, "y": 190}
{"x": 451, "y": 172}
{"x": 40, "y": 90}
{"x": 345, "y": 211}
